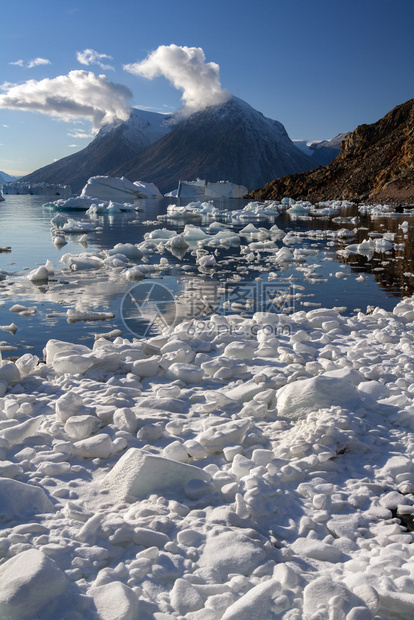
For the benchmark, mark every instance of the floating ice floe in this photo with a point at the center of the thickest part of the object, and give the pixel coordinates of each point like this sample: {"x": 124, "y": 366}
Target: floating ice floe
{"x": 299, "y": 208}
{"x": 42, "y": 273}
{"x": 23, "y": 310}
{"x": 131, "y": 251}
{"x": 59, "y": 220}
{"x": 269, "y": 208}
{"x": 78, "y": 262}
{"x": 12, "y": 328}
{"x": 75, "y": 203}
{"x": 74, "y": 316}
{"x": 376, "y": 210}
{"x": 191, "y": 211}
{"x": 365, "y": 248}
{"x": 76, "y": 226}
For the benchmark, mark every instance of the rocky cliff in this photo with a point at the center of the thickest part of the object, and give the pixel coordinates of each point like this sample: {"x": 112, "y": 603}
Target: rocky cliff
{"x": 375, "y": 163}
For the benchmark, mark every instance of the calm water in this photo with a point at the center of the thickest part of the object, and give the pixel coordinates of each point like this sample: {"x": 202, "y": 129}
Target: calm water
{"x": 25, "y": 227}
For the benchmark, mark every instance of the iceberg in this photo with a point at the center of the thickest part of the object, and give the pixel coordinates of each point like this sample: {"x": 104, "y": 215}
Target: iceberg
{"x": 37, "y": 189}
{"x": 118, "y": 188}
{"x": 202, "y": 189}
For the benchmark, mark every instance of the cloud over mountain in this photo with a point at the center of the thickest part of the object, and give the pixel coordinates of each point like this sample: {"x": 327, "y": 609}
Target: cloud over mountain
{"x": 80, "y": 94}
{"x": 187, "y": 70}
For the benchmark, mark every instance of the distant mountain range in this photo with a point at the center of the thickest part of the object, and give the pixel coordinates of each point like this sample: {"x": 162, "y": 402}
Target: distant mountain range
{"x": 322, "y": 151}
{"x": 231, "y": 142}
{"x": 6, "y": 178}
{"x": 375, "y": 163}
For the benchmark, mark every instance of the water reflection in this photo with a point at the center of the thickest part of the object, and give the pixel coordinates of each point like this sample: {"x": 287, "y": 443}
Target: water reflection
{"x": 257, "y": 274}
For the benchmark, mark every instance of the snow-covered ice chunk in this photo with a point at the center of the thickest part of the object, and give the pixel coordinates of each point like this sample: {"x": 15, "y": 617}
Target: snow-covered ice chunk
{"x": 215, "y": 438}
{"x": 330, "y": 595}
{"x": 68, "y": 405}
{"x": 231, "y": 552}
{"x": 375, "y": 389}
{"x": 246, "y": 391}
{"x": 72, "y": 365}
{"x": 138, "y": 474}
{"x": 318, "y": 550}
{"x": 189, "y": 373}
{"x": 148, "y": 367}
{"x": 19, "y": 498}
{"x": 149, "y": 538}
{"x": 81, "y": 426}
{"x": 176, "y": 452}
{"x": 115, "y": 600}
{"x": 185, "y": 598}
{"x": 59, "y": 348}
{"x": 9, "y": 372}
{"x": 258, "y": 602}
{"x": 17, "y": 433}
{"x": 298, "y": 398}
{"x": 240, "y": 350}
{"x": 29, "y": 581}
{"x": 99, "y": 446}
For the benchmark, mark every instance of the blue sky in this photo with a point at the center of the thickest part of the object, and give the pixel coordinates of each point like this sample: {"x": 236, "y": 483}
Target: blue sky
{"x": 320, "y": 67}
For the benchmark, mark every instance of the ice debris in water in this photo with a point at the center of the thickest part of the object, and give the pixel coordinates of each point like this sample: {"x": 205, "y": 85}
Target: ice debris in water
{"x": 134, "y": 482}
{"x": 228, "y": 468}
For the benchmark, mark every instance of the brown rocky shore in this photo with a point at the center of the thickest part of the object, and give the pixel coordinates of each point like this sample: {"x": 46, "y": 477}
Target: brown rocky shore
{"x": 375, "y": 163}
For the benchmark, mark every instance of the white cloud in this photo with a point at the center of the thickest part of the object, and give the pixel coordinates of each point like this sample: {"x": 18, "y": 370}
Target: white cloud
{"x": 29, "y": 64}
{"x": 78, "y": 95}
{"x": 80, "y": 133}
{"x": 91, "y": 57}
{"x": 186, "y": 69}
{"x": 36, "y": 62}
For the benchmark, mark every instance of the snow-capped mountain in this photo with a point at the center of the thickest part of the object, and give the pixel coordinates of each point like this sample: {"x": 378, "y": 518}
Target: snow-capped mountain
{"x": 113, "y": 144}
{"x": 231, "y": 141}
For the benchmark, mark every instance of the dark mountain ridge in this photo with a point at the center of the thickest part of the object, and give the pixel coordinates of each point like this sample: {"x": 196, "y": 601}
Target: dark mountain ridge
{"x": 375, "y": 163}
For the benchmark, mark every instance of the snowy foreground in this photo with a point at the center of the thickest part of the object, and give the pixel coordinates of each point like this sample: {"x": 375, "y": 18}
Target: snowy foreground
{"x": 235, "y": 468}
